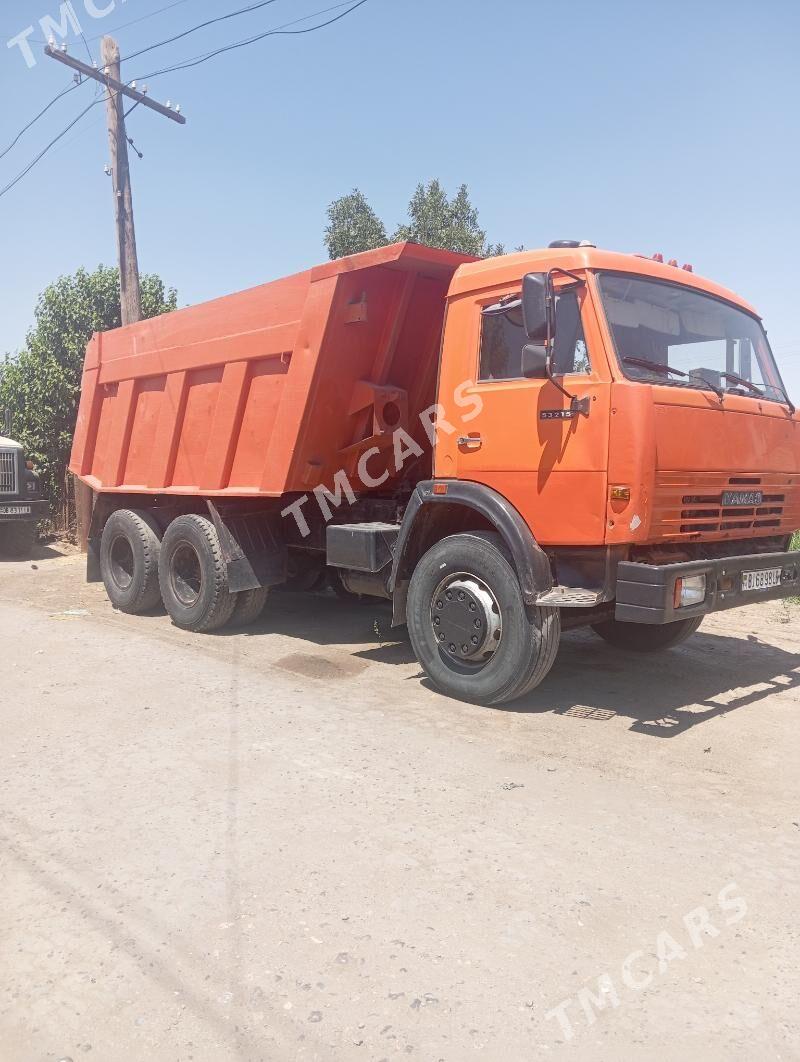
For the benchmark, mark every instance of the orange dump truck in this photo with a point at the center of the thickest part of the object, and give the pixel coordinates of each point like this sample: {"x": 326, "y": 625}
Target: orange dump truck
{"x": 502, "y": 448}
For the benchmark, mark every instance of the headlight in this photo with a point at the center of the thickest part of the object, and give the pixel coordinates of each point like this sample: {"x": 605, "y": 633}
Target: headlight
{"x": 689, "y": 590}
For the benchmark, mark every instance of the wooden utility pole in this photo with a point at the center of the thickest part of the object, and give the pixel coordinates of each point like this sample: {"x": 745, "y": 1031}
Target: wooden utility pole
{"x": 130, "y": 292}
{"x": 118, "y": 91}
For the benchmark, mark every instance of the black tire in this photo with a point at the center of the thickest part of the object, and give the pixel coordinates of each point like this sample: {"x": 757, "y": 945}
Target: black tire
{"x": 526, "y": 645}
{"x": 305, "y": 572}
{"x": 646, "y": 638}
{"x": 193, "y": 576}
{"x": 249, "y": 606}
{"x": 18, "y": 539}
{"x": 129, "y": 551}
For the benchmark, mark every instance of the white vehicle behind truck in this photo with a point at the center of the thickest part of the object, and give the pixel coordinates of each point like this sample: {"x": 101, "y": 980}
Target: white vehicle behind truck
{"x": 21, "y": 502}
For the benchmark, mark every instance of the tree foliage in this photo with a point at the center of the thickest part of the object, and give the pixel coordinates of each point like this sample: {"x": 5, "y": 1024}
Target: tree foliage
{"x": 437, "y": 221}
{"x": 41, "y": 385}
{"x": 353, "y": 226}
{"x": 433, "y": 219}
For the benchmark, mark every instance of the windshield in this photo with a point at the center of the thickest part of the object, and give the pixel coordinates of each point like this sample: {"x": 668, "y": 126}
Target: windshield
{"x": 678, "y": 336}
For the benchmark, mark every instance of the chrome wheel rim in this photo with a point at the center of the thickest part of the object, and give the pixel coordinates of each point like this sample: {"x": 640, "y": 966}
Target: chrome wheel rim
{"x": 466, "y": 621}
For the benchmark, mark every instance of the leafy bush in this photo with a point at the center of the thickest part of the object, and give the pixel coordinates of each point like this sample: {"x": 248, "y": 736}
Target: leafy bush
{"x": 41, "y": 385}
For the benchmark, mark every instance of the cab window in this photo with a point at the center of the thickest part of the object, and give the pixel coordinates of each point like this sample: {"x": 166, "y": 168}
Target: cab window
{"x": 502, "y": 340}
{"x": 503, "y": 337}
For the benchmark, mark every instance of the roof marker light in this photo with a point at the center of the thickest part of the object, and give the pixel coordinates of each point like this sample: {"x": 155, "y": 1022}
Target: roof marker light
{"x": 658, "y": 257}
{"x": 688, "y": 267}
{"x": 673, "y": 262}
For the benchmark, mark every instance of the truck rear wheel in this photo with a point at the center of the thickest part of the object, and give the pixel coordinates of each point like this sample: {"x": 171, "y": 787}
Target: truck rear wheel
{"x": 305, "y": 572}
{"x": 644, "y": 637}
{"x": 18, "y": 539}
{"x": 249, "y": 606}
{"x": 193, "y": 576}
{"x": 469, "y": 626}
{"x": 129, "y": 552}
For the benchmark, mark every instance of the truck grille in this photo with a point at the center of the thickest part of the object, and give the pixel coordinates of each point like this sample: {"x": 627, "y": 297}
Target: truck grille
{"x": 8, "y": 471}
{"x": 691, "y": 504}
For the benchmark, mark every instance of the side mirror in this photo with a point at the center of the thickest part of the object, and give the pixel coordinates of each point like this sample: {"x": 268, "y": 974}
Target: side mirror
{"x": 534, "y": 361}
{"x": 534, "y": 305}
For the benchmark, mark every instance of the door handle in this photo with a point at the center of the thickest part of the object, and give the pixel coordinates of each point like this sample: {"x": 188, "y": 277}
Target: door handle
{"x": 470, "y": 442}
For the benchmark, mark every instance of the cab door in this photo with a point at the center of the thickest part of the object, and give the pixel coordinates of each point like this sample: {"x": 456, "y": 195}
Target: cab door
{"x": 526, "y": 441}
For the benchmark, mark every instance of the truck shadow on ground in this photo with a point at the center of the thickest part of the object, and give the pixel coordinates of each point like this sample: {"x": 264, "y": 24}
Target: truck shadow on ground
{"x": 325, "y": 619}
{"x": 663, "y": 694}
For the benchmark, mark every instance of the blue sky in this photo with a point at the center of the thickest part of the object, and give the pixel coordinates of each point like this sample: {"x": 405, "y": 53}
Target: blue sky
{"x": 643, "y": 126}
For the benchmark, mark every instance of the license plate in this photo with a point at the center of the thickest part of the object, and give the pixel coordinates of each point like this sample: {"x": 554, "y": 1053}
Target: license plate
{"x": 749, "y": 498}
{"x": 763, "y": 580}
{"x": 15, "y": 510}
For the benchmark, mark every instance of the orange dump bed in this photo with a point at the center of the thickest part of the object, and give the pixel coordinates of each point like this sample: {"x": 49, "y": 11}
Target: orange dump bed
{"x": 272, "y": 390}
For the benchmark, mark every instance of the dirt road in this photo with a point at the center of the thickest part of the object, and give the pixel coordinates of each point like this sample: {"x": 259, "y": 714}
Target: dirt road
{"x": 281, "y": 844}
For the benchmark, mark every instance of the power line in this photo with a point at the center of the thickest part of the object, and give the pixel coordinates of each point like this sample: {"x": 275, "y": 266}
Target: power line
{"x": 33, "y": 121}
{"x": 196, "y": 61}
{"x": 142, "y": 18}
{"x": 124, "y": 25}
{"x": 201, "y": 25}
{"x": 44, "y": 151}
{"x": 278, "y": 32}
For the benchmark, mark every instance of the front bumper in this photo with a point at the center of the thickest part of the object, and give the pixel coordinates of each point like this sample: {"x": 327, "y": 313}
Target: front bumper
{"x": 645, "y": 592}
{"x": 16, "y": 510}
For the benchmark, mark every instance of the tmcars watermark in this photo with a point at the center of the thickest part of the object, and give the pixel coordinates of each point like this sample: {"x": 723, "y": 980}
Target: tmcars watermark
{"x": 405, "y": 447}
{"x": 60, "y": 26}
{"x": 640, "y": 969}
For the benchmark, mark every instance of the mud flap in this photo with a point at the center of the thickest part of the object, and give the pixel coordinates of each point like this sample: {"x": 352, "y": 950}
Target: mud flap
{"x": 252, "y": 549}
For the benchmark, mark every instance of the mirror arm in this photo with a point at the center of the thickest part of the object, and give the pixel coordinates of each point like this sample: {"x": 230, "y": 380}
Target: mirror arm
{"x": 577, "y": 405}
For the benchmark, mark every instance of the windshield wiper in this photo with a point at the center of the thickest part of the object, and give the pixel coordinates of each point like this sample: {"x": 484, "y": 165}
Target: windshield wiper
{"x": 657, "y": 366}
{"x": 745, "y": 383}
{"x": 757, "y": 390}
{"x": 667, "y": 370}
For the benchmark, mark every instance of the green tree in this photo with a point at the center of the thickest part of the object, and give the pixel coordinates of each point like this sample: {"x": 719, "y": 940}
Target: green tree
{"x": 41, "y": 385}
{"x": 433, "y": 219}
{"x": 437, "y": 221}
{"x": 353, "y": 226}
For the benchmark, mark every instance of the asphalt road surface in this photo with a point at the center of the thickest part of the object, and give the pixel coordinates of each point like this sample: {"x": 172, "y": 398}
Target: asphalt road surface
{"x": 283, "y": 844}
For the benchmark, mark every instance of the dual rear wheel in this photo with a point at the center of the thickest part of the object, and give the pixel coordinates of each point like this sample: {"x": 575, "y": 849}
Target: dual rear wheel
{"x": 185, "y": 569}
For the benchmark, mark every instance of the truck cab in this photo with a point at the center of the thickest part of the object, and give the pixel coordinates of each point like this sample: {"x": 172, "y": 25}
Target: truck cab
{"x": 632, "y": 416}
{"x": 21, "y": 502}
{"x": 663, "y": 423}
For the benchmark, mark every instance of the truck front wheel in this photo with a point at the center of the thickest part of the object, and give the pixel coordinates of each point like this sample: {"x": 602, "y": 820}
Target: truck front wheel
{"x": 193, "y": 576}
{"x": 469, "y": 626}
{"x": 18, "y": 539}
{"x": 646, "y": 638}
{"x": 129, "y": 552}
